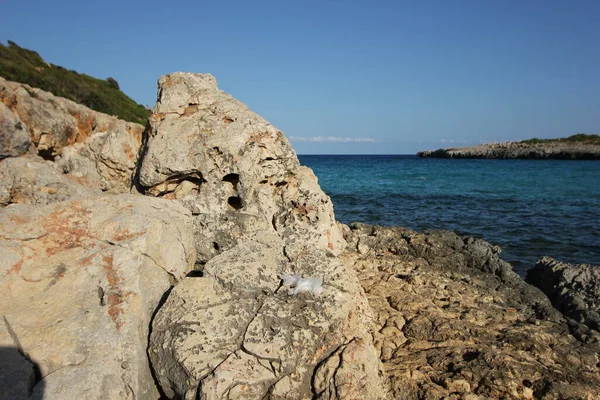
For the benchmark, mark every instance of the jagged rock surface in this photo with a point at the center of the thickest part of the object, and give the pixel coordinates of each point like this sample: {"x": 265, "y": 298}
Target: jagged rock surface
{"x": 455, "y": 322}
{"x": 14, "y": 136}
{"x": 98, "y": 149}
{"x": 80, "y": 281}
{"x": 32, "y": 180}
{"x": 236, "y": 332}
{"x": 236, "y": 172}
{"x": 512, "y": 150}
{"x": 574, "y": 289}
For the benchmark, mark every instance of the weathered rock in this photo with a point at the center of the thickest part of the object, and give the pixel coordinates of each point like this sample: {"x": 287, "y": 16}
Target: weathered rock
{"x": 99, "y": 149}
{"x": 80, "y": 281}
{"x": 235, "y": 171}
{"x": 14, "y": 136}
{"x": 32, "y": 180}
{"x": 236, "y": 331}
{"x": 574, "y": 289}
{"x": 454, "y": 322}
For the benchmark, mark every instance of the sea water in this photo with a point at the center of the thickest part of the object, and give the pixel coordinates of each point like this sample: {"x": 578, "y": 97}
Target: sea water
{"x": 530, "y": 208}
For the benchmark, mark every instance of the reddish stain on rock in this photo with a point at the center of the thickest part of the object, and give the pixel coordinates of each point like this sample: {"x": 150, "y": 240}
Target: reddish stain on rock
{"x": 67, "y": 229}
{"x": 115, "y": 297}
{"x": 15, "y": 269}
{"x": 124, "y": 234}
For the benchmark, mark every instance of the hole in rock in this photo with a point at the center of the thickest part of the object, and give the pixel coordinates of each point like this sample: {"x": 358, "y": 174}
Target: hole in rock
{"x": 263, "y": 181}
{"x": 282, "y": 183}
{"x": 269, "y": 159}
{"x": 234, "y": 179}
{"x": 47, "y": 154}
{"x": 235, "y": 202}
{"x": 195, "y": 274}
{"x": 216, "y": 246}
{"x": 471, "y": 355}
{"x": 527, "y": 383}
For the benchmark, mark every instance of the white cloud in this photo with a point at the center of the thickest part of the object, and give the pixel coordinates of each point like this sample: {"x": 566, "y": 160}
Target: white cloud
{"x": 452, "y": 141}
{"x": 332, "y": 139}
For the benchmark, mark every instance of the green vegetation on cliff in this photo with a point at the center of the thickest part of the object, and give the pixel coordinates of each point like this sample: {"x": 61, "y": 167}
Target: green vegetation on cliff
{"x": 26, "y": 66}
{"x": 580, "y": 138}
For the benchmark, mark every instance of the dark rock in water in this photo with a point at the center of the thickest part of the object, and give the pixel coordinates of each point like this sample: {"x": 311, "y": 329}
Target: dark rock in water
{"x": 574, "y": 289}
{"x": 454, "y": 321}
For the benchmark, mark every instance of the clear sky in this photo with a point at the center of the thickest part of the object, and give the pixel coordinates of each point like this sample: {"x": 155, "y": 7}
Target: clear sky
{"x": 346, "y": 77}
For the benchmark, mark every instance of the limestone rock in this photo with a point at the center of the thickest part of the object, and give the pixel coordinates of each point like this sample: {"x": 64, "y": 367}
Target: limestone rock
{"x": 573, "y": 289}
{"x": 455, "y": 322}
{"x": 80, "y": 281}
{"x": 236, "y": 172}
{"x": 32, "y": 180}
{"x": 14, "y": 136}
{"x": 237, "y": 333}
{"x": 99, "y": 149}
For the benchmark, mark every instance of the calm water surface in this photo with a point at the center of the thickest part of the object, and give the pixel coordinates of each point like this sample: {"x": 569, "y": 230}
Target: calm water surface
{"x": 529, "y": 208}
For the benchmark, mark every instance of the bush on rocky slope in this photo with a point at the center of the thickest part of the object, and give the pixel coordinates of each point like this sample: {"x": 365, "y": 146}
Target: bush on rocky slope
{"x": 26, "y": 66}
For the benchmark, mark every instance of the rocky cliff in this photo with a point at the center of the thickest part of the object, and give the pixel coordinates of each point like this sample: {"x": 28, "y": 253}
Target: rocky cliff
{"x": 555, "y": 150}
{"x": 223, "y": 273}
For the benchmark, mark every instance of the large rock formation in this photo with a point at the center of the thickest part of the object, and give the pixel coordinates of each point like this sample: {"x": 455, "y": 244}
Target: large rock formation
{"x": 99, "y": 290}
{"x": 574, "y": 289}
{"x": 236, "y": 172}
{"x": 98, "y": 149}
{"x": 236, "y": 331}
{"x": 80, "y": 281}
{"x": 455, "y": 322}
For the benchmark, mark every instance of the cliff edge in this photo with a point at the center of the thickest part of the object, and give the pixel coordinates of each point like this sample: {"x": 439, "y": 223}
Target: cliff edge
{"x": 576, "y": 147}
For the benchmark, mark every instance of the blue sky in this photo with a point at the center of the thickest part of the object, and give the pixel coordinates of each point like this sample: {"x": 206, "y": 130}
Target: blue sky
{"x": 347, "y": 77}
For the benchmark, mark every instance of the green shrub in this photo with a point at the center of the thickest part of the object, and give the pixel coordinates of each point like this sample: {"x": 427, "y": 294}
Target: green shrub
{"x": 581, "y": 138}
{"x": 26, "y": 66}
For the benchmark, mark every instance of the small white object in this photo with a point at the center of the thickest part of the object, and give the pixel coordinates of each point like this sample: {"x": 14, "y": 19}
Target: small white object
{"x": 297, "y": 284}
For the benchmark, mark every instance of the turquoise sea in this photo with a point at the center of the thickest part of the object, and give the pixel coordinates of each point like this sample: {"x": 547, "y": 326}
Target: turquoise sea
{"x": 529, "y": 208}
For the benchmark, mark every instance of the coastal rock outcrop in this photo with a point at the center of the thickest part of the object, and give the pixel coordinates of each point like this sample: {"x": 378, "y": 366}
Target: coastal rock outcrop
{"x": 104, "y": 297}
{"x": 511, "y": 150}
{"x": 455, "y": 322}
{"x": 235, "y": 331}
{"x": 98, "y": 149}
{"x": 237, "y": 173}
{"x": 80, "y": 281}
{"x": 574, "y": 289}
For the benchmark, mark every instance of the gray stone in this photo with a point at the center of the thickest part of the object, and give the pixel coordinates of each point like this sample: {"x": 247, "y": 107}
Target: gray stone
{"x": 574, "y": 289}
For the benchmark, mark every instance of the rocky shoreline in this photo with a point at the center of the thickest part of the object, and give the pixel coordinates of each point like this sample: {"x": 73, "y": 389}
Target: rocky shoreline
{"x": 179, "y": 261}
{"x": 520, "y": 150}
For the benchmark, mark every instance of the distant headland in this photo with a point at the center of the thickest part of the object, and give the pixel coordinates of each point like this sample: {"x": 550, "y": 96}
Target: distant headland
{"x": 576, "y": 147}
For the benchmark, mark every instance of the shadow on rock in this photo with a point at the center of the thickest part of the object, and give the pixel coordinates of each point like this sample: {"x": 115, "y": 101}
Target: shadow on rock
{"x": 19, "y": 376}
